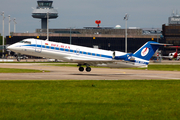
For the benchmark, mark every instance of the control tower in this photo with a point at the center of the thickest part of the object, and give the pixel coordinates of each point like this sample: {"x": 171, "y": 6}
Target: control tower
{"x": 44, "y": 7}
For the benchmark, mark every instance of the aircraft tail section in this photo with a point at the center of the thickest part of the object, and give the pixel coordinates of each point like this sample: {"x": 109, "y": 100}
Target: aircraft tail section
{"x": 147, "y": 50}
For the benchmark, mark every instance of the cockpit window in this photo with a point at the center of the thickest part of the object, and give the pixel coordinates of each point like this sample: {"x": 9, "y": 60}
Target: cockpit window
{"x": 27, "y": 42}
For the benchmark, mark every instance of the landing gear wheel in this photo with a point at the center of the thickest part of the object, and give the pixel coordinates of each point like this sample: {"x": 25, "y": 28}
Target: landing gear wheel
{"x": 18, "y": 59}
{"x": 88, "y": 69}
{"x": 81, "y": 69}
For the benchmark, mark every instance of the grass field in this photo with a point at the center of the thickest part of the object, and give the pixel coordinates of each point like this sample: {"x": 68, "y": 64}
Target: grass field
{"x": 90, "y": 100}
{"x": 12, "y": 70}
{"x": 162, "y": 67}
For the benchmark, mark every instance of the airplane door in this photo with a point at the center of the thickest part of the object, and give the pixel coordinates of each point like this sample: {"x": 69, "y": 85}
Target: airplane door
{"x": 38, "y": 46}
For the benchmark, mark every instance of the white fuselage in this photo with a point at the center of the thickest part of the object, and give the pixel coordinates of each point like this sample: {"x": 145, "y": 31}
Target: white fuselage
{"x": 71, "y": 53}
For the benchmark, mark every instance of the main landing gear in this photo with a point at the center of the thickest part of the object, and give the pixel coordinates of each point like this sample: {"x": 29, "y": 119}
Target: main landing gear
{"x": 18, "y": 57}
{"x": 81, "y": 69}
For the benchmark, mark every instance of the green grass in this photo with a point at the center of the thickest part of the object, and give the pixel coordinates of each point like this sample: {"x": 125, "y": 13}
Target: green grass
{"x": 12, "y": 70}
{"x": 90, "y": 100}
{"x": 162, "y": 67}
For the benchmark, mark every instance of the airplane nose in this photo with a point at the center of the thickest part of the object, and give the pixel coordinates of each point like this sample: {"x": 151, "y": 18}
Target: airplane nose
{"x": 10, "y": 47}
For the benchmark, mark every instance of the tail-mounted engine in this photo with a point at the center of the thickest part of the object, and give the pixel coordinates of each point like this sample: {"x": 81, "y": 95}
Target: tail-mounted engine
{"x": 120, "y": 56}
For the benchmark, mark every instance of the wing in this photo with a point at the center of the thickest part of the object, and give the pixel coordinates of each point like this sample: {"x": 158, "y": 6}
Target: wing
{"x": 93, "y": 62}
{"x": 108, "y": 63}
{"x": 112, "y": 63}
{"x": 85, "y": 61}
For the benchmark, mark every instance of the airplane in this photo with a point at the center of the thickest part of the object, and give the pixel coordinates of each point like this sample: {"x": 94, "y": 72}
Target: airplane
{"x": 174, "y": 55}
{"x": 85, "y": 55}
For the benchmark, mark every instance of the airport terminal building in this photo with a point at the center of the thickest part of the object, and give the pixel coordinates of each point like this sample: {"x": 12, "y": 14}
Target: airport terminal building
{"x": 171, "y": 32}
{"x": 101, "y": 38}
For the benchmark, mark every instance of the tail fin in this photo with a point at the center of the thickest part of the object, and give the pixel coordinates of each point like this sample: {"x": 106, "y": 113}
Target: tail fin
{"x": 147, "y": 50}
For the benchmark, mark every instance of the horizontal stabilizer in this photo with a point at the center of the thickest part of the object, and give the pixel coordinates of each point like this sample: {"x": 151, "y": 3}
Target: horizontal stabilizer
{"x": 160, "y": 44}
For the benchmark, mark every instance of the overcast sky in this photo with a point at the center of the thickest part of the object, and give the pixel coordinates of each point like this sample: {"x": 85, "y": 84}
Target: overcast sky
{"x": 83, "y": 13}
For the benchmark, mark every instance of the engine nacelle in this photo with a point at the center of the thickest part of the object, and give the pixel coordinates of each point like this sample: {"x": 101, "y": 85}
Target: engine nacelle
{"x": 132, "y": 59}
{"x": 119, "y": 55}
{"x": 123, "y": 56}
{"x": 114, "y": 55}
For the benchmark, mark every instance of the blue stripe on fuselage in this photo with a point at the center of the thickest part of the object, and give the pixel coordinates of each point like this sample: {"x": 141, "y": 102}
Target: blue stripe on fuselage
{"x": 84, "y": 53}
{"x": 69, "y": 50}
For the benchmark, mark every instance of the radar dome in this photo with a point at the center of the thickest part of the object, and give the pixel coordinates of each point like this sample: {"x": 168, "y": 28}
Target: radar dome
{"x": 117, "y": 27}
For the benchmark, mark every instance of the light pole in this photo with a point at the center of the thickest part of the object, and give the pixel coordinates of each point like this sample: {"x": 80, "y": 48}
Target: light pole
{"x": 47, "y": 26}
{"x": 70, "y": 33}
{"x": 126, "y": 18}
{"x": 14, "y": 25}
{"x": 70, "y": 36}
{"x": 9, "y": 25}
{"x": 3, "y": 33}
{"x": 157, "y": 35}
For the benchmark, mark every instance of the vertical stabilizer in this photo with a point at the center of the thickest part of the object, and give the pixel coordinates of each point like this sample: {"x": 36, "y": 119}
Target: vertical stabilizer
{"x": 147, "y": 50}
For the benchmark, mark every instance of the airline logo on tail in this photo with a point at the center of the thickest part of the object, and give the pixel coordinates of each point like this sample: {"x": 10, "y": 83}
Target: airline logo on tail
{"x": 145, "y": 51}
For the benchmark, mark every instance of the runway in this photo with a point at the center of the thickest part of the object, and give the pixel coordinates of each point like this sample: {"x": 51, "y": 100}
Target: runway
{"x": 72, "y": 73}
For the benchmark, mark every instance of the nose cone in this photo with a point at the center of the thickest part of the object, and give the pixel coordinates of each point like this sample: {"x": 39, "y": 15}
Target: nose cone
{"x": 12, "y": 48}
{"x": 9, "y": 47}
